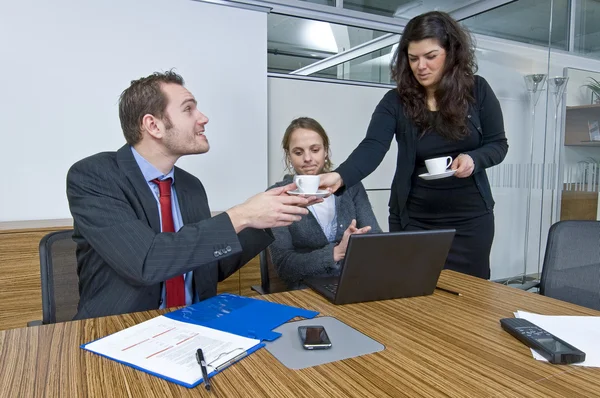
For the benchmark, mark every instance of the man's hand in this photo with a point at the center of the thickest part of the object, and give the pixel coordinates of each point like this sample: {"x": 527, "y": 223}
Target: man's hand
{"x": 273, "y": 208}
{"x": 339, "y": 252}
{"x": 331, "y": 181}
{"x": 464, "y": 166}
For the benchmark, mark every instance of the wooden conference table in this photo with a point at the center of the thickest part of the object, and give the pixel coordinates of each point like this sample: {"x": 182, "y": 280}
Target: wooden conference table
{"x": 438, "y": 345}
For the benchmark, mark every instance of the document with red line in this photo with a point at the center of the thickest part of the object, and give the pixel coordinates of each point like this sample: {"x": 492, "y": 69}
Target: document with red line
{"x": 167, "y": 348}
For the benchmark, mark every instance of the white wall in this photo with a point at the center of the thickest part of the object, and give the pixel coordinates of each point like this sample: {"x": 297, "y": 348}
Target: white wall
{"x": 65, "y": 62}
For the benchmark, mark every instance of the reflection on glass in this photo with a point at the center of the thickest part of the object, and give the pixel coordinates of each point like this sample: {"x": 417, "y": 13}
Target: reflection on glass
{"x": 372, "y": 68}
{"x": 293, "y": 43}
{"x": 587, "y": 28}
{"x": 526, "y": 21}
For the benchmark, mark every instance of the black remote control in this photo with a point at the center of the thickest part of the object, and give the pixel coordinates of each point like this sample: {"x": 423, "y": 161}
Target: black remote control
{"x": 549, "y": 346}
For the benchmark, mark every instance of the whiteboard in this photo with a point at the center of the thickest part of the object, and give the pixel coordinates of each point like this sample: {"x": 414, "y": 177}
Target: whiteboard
{"x": 65, "y": 62}
{"x": 343, "y": 110}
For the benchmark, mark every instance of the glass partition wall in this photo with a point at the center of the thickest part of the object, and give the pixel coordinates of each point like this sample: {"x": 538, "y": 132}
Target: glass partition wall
{"x": 573, "y": 114}
{"x": 579, "y": 146}
{"x": 526, "y": 50}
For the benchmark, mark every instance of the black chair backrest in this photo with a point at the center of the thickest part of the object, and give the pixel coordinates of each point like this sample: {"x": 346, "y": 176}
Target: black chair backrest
{"x": 571, "y": 269}
{"x": 60, "y": 283}
{"x": 269, "y": 281}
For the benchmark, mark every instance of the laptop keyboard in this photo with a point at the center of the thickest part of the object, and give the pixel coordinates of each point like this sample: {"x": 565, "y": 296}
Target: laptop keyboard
{"x": 332, "y": 287}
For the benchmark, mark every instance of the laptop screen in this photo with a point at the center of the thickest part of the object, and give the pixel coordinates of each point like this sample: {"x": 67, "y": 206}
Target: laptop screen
{"x": 382, "y": 266}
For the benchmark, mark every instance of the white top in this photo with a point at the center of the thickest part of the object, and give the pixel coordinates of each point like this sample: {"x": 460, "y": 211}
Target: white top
{"x": 324, "y": 212}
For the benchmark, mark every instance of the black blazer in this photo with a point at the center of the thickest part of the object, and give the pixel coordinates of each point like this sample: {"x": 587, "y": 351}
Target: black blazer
{"x": 388, "y": 120}
{"x": 122, "y": 256}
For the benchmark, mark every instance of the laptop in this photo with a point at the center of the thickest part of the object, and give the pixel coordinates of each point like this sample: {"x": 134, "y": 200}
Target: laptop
{"x": 384, "y": 266}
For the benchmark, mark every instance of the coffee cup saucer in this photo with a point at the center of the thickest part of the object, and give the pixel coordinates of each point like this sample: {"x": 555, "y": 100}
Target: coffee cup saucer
{"x": 447, "y": 173}
{"x": 321, "y": 193}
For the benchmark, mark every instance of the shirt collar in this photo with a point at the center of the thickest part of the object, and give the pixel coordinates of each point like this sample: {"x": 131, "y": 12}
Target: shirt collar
{"x": 149, "y": 171}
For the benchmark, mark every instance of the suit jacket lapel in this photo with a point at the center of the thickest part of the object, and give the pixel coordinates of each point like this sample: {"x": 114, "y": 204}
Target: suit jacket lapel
{"x": 131, "y": 169}
{"x": 188, "y": 214}
{"x": 193, "y": 208}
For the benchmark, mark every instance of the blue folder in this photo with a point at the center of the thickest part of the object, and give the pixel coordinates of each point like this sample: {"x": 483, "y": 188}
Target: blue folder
{"x": 238, "y": 315}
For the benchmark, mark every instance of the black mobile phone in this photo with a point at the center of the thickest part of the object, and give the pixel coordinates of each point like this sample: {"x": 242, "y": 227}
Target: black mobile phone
{"x": 314, "y": 337}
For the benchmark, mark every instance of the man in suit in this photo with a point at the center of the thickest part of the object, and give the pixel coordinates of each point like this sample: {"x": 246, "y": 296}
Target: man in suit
{"x": 145, "y": 236}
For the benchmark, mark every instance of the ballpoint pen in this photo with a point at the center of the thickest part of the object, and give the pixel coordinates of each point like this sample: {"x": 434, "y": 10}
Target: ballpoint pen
{"x": 448, "y": 291}
{"x": 202, "y": 363}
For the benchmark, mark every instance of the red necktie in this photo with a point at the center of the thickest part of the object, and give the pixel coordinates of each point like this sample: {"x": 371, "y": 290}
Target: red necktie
{"x": 175, "y": 287}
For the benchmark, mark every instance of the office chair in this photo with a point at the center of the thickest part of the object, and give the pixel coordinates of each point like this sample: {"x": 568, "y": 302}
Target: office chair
{"x": 571, "y": 270}
{"x": 60, "y": 283}
{"x": 269, "y": 281}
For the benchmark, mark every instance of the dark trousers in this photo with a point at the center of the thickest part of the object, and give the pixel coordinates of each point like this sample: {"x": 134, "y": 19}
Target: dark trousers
{"x": 470, "y": 250}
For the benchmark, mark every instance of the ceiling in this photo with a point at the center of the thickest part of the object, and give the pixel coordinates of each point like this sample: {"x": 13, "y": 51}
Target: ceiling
{"x": 525, "y": 21}
{"x": 294, "y": 42}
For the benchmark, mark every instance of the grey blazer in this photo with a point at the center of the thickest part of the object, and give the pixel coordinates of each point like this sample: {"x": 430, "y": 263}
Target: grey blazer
{"x": 302, "y": 249}
{"x": 123, "y": 258}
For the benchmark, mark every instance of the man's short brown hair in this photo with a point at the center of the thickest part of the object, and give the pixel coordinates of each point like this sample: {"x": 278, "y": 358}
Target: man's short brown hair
{"x": 144, "y": 96}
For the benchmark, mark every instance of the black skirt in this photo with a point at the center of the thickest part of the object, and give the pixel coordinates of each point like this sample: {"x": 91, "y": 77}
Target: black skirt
{"x": 470, "y": 250}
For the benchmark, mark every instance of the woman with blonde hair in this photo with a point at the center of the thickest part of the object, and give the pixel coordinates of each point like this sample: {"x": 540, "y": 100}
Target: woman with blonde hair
{"x": 316, "y": 245}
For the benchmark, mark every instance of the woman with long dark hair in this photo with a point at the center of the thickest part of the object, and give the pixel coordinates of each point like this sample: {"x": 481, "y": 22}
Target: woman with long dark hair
{"x": 440, "y": 108}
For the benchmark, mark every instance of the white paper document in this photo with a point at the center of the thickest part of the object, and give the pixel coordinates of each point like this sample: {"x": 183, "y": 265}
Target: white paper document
{"x": 168, "y": 348}
{"x": 582, "y": 332}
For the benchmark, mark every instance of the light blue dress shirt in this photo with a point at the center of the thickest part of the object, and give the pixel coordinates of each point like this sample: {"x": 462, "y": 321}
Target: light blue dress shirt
{"x": 150, "y": 173}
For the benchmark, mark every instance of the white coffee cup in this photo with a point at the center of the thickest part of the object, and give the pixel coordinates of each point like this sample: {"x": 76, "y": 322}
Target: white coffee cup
{"x": 307, "y": 183}
{"x": 438, "y": 165}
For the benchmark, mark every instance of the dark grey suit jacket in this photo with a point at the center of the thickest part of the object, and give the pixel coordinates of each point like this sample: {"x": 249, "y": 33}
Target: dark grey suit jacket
{"x": 122, "y": 256}
{"x": 302, "y": 249}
